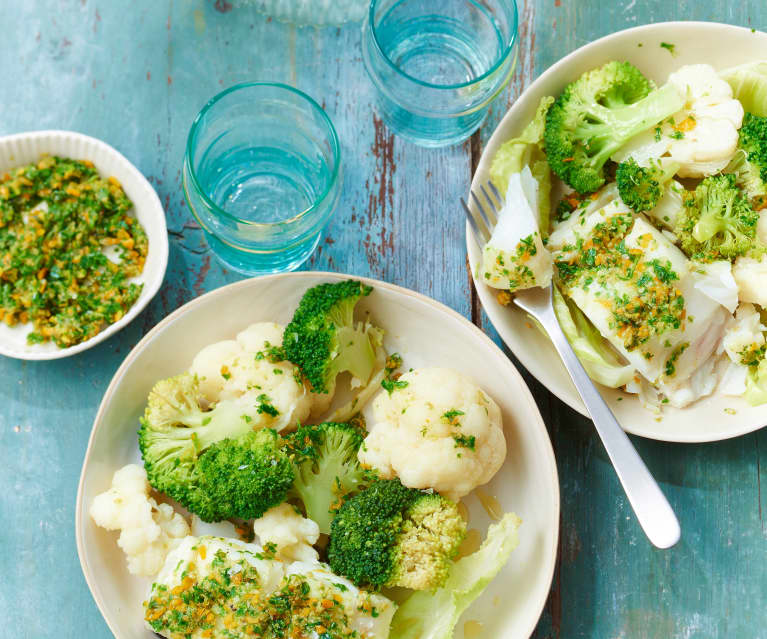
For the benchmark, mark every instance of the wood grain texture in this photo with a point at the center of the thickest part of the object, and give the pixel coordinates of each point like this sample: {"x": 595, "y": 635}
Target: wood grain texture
{"x": 135, "y": 74}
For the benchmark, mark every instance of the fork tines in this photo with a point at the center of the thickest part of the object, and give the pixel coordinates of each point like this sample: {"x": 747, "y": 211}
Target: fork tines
{"x": 484, "y": 217}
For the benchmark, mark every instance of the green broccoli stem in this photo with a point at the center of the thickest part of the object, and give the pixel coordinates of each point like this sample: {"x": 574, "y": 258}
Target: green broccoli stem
{"x": 613, "y": 127}
{"x": 358, "y": 355}
{"x": 225, "y": 421}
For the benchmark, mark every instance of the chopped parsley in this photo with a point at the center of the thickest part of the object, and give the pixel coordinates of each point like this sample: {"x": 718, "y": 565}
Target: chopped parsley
{"x": 465, "y": 441}
{"x": 390, "y": 385}
{"x": 58, "y": 221}
{"x": 265, "y": 406}
{"x": 671, "y": 48}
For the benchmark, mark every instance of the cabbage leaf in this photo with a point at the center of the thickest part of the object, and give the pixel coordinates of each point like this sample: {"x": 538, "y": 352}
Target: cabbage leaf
{"x": 598, "y": 357}
{"x": 749, "y": 86}
{"x": 756, "y": 385}
{"x": 527, "y": 150}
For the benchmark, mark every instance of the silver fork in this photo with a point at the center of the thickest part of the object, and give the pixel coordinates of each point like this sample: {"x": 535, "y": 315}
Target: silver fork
{"x": 648, "y": 501}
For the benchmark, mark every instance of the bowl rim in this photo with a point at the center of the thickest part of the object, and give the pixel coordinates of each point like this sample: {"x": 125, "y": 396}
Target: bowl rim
{"x": 145, "y": 342}
{"x": 158, "y": 246}
{"x": 570, "y": 396}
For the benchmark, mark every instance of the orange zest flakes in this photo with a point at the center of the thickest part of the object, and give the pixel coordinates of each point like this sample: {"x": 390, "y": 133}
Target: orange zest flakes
{"x": 327, "y": 603}
{"x": 504, "y": 298}
{"x": 568, "y": 160}
{"x": 688, "y": 124}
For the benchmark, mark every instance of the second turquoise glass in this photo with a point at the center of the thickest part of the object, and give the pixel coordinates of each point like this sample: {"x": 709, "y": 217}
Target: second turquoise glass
{"x": 437, "y": 64}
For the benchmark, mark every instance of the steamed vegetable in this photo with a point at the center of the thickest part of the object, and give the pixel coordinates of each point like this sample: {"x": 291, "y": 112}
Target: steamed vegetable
{"x": 433, "y": 615}
{"x": 703, "y": 137}
{"x": 436, "y": 430}
{"x": 527, "y": 151}
{"x": 292, "y": 536}
{"x": 515, "y": 257}
{"x": 641, "y": 187}
{"x": 750, "y": 162}
{"x": 599, "y": 113}
{"x": 148, "y": 530}
{"x": 718, "y": 221}
{"x": 749, "y": 86}
{"x": 252, "y": 371}
{"x": 211, "y": 461}
{"x": 599, "y": 358}
{"x": 326, "y": 469}
{"x": 390, "y": 535}
{"x": 323, "y": 339}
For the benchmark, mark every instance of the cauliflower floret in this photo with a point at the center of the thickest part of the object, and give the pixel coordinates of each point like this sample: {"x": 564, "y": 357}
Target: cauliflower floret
{"x": 148, "y": 530}
{"x": 750, "y": 275}
{"x": 705, "y": 135}
{"x": 744, "y": 334}
{"x": 515, "y": 257}
{"x": 293, "y": 534}
{"x": 248, "y": 370}
{"x": 441, "y": 431}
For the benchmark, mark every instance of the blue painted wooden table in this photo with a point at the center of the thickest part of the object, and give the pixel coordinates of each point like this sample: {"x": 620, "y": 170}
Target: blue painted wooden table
{"x": 135, "y": 74}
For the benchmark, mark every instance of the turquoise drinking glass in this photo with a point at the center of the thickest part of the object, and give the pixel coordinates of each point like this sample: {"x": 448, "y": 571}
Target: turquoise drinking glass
{"x": 437, "y": 64}
{"x": 262, "y": 176}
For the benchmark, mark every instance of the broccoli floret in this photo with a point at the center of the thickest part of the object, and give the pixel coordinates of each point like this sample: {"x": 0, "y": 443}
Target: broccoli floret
{"x": 243, "y": 477}
{"x": 750, "y": 162}
{"x": 641, "y": 187}
{"x": 323, "y": 340}
{"x": 326, "y": 468}
{"x": 718, "y": 221}
{"x": 596, "y": 115}
{"x": 212, "y": 462}
{"x": 390, "y": 535}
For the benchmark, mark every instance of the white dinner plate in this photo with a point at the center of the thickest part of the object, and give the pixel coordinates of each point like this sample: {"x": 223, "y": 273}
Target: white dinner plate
{"x": 425, "y": 333}
{"x": 24, "y": 148}
{"x": 719, "y": 45}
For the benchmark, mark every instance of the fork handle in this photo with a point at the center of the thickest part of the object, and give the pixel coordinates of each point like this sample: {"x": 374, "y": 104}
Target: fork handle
{"x": 648, "y": 501}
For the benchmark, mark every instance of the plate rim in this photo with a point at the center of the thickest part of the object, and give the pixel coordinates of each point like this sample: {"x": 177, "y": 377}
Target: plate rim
{"x": 570, "y": 396}
{"x": 161, "y": 247}
{"x": 146, "y": 340}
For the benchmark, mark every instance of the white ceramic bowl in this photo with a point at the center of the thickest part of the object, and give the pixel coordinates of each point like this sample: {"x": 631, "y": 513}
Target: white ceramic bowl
{"x": 424, "y": 333}
{"x": 719, "y": 45}
{"x": 23, "y": 148}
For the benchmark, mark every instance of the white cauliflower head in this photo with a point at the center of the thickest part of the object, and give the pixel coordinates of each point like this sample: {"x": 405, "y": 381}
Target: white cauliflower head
{"x": 248, "y": 371}
{"x": 148, "y": 530}
{"x": 441, "y": 431}
{"x": 292, "y": 534}
{"x": 702, "y": 137}
{"x": 705, "y": 134}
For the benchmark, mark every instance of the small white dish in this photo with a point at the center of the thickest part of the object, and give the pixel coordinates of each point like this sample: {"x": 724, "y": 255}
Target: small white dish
{"x": 23, "y": 148}
{"x": 719, "y": 45}
{"x": 424, "y": 332}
